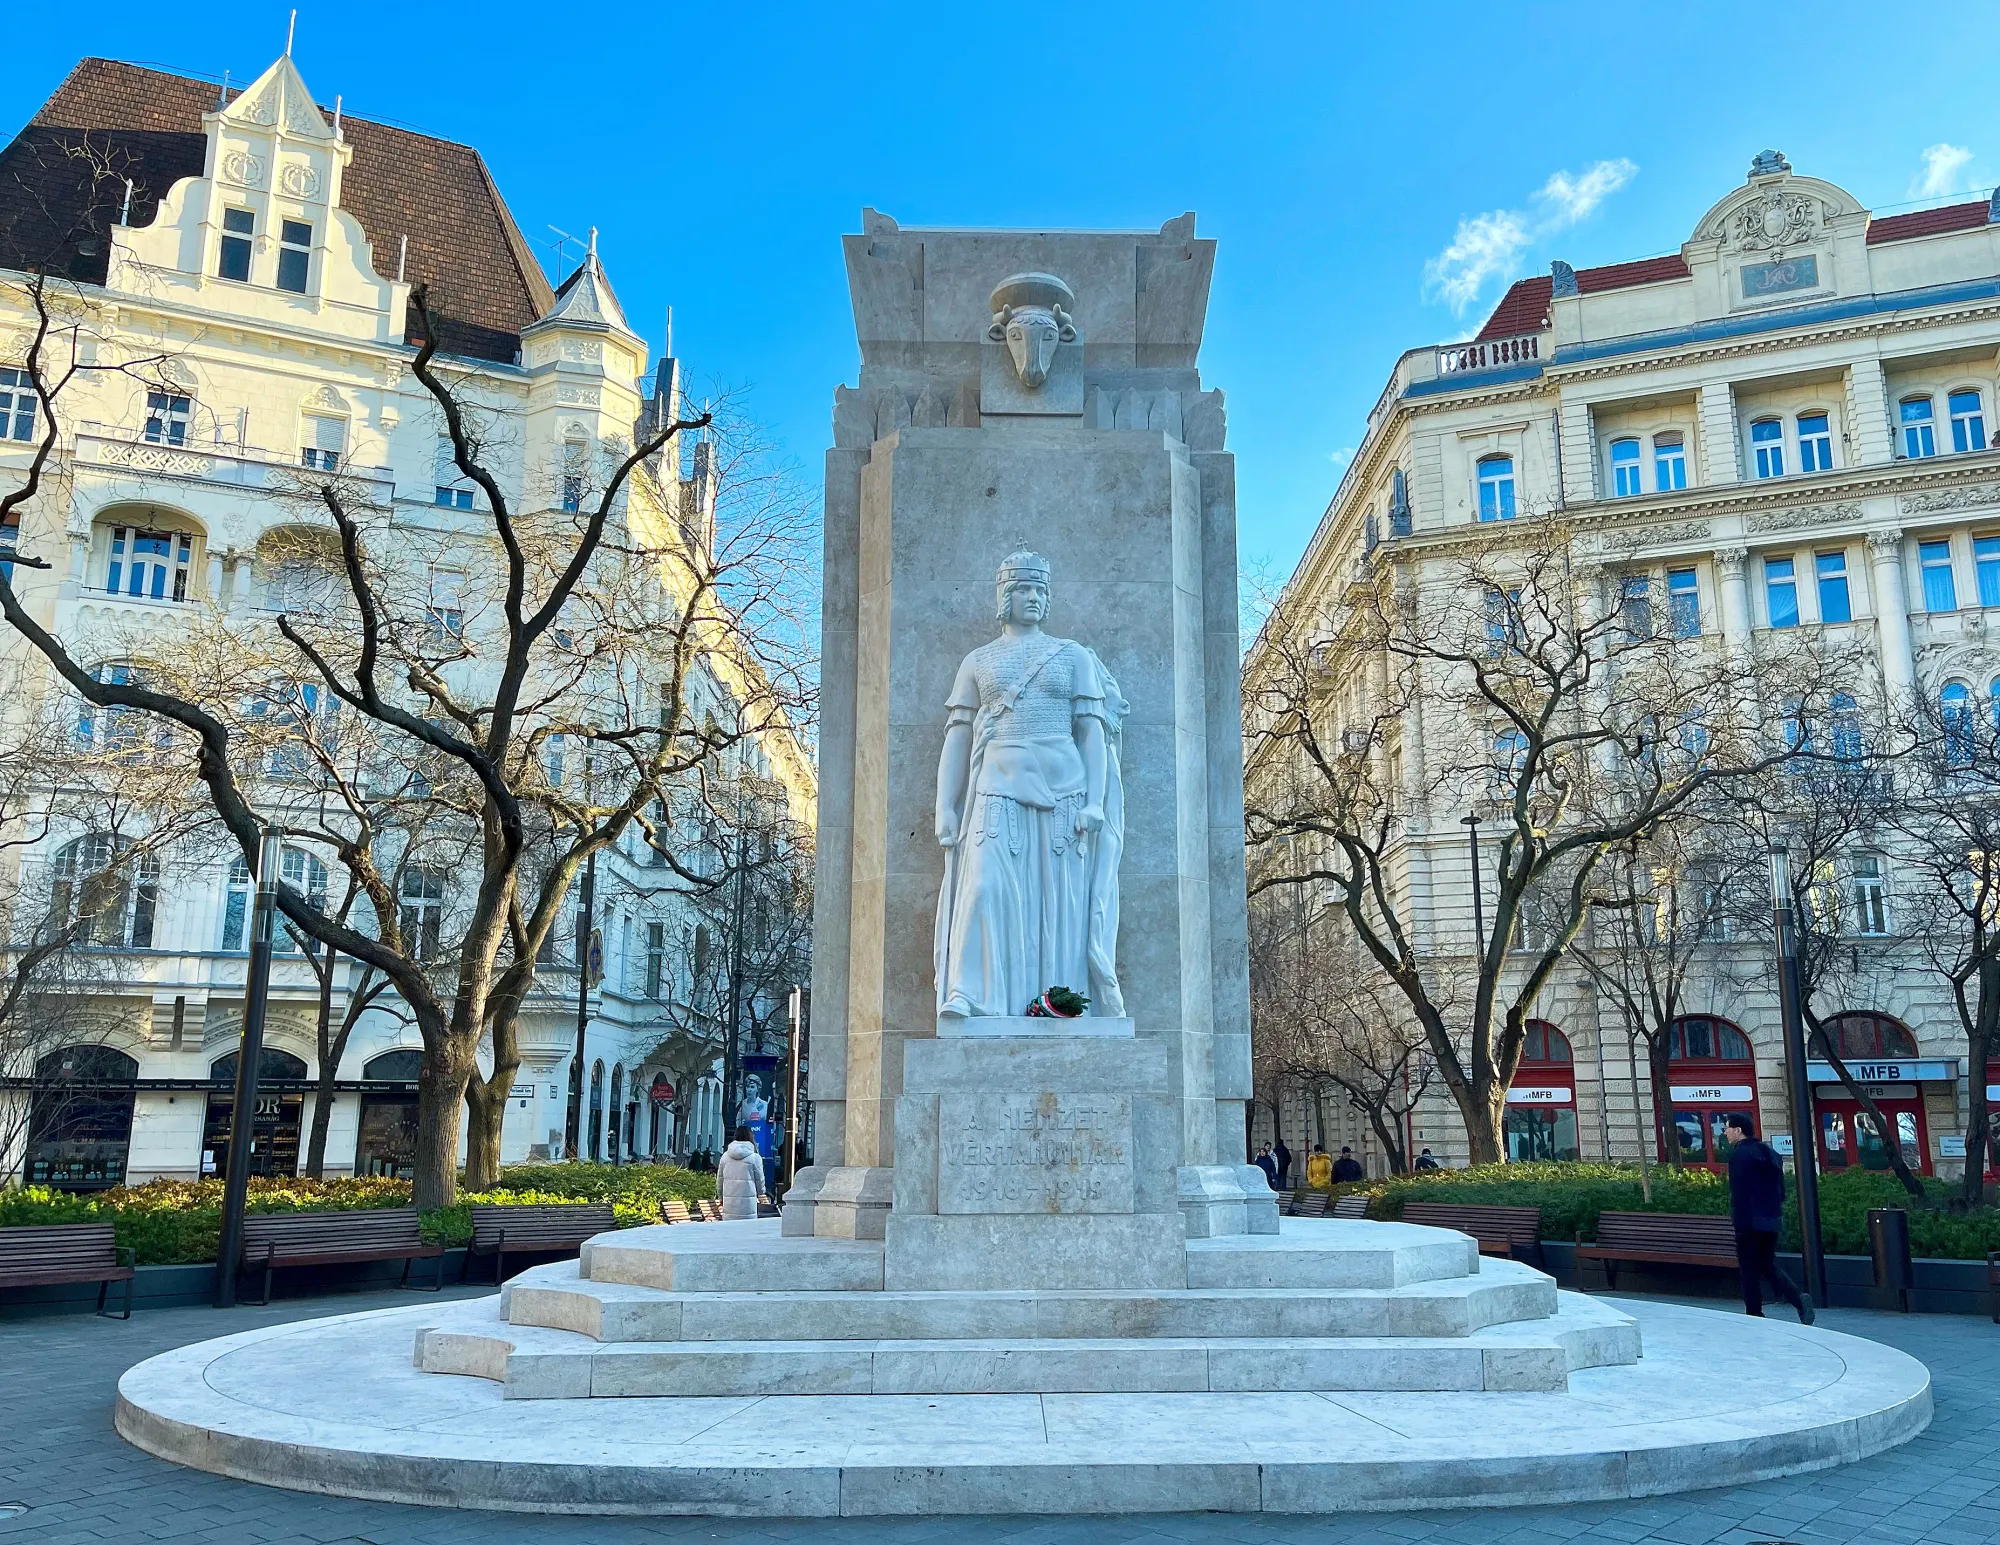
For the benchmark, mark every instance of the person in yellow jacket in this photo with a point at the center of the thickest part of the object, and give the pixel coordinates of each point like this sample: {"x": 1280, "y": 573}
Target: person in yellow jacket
{"x": 1319, "y": 1168}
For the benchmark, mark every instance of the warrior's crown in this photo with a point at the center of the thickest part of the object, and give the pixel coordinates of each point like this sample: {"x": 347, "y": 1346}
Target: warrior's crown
{"x": 1023, "y": 564}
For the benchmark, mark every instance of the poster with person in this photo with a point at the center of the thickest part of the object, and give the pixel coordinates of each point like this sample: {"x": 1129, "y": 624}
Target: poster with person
{"x": 760, "y": 1083}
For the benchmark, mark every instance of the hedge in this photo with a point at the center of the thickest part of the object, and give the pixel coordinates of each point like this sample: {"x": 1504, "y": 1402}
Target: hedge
{"x": 179, "y": 1222}
{"x": 1572, "y": 1195}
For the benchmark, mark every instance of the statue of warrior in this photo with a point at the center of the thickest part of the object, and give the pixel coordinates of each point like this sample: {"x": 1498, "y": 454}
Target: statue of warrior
{"x": 1031, "y": 815}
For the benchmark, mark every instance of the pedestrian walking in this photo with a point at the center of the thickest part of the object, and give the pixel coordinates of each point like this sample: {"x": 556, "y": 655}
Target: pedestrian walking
{"x": 1282, "y": 1156}
{"x": 738, "y": 1176}
{"x": 1756, "y": 1208}
{"x": 1319, "y": 1168}
{"x": 1268, "y": 1165}
{"x": 1348, "y": 1169}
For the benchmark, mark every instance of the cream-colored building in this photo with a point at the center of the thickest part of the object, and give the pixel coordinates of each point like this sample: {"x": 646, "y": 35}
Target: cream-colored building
{"x": 243, "y": 263}
{"x": 1789, "y": 423}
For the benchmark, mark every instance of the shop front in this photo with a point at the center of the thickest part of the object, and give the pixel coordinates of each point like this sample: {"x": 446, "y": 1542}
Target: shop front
{"x": 1881, "y": 1055}
{"x": 274, "y": 1134}
{"x": 80, "y": 1119}
{"x": 1541, "y": 1101}
{"x": 386, "y": 1140}
{"x": 1711, "y": 1076}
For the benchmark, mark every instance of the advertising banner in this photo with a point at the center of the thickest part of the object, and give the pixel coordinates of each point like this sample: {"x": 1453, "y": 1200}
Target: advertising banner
{"x": 759, "y": 1105}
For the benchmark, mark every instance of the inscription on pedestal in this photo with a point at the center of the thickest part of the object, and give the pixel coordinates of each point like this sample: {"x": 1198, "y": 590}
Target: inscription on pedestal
{"x": 1036, "y": 1151}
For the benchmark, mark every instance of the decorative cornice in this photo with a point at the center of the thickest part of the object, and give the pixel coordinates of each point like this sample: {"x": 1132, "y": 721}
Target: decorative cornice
{"x": 1970, "y": 496}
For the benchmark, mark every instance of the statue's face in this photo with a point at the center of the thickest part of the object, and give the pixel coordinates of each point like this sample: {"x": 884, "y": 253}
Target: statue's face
{"x": 1031, "y": 338}
{"x": 1024, "y": 601}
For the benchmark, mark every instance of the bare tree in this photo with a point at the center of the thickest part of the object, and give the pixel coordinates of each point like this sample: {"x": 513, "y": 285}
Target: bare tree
{"x": 1555, "y": 698}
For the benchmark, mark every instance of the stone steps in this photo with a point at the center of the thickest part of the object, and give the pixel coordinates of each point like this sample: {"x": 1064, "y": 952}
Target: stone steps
{"x": 557, "y": 1297}
{"x": 727, "y": 1257}
{"x": 533, "y": 1362}
{"x": 1332, "y": 1253}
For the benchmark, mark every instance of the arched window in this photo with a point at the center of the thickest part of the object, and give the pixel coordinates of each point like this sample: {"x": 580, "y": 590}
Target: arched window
{"x": 80, "y": 1118}
{"x": 1968, "y": 420}
{"x": 616, "y": 1113}
{"x": 149, "y": 563}
{"x": 1767, "y": 444}
{"x": 396, "y": 1067}
{"x": 1955, "y": 716}
{"x": 1700, "y": 1038}
{"x": 1670, "y": 467}
{"x": 1870, "y": 1035}
{"x": 1624, "y": 468}
{"x": 273, "y": 1067}
{"x": 597, "y": 1111}
{"x": 1545, "y": 1043}
{"x": 1496, "y": 488}
{"x": 1919, "y": 434}
{"x": 110, "y": 896}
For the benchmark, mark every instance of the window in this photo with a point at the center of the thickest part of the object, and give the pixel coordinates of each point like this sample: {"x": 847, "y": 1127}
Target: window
{"x": 553, "y": 750}
{"x": 237, "y": 228}
{"x": 656, "y": 958}
{"x": 1781, "y": 593}
{"x": 113, "y": 900}
{"x": 1955, "y": 716}
{"x": 453, "y": 491}
{"x": 1706, "y": 1040}
{"x": 1845, "y": 722}
{"x": 167, "y": 415}
{"x": 1510, "y": 760}
{"x": 10, "y": 537}
{"x": 1692, "y": 733}
{"x": 115, "y": 730}
{"x": 1670, "y": 467}
{"x": 1635, "y": 607}
{"x": 325, "y": 438}
{"x": 1968, "y": 422}
{"x": 1496, "y": 488}
{"x": 1624, "y": 468}
{"x": 422, "y": 912}
{"x": 1545, "y": 1043}
{"x": 1815, "y": 443}
{"x": 152, "y": 565}
{"x": 1767, "y": 440}
{"x": 292, "y": 721}
{"x": 1503, "y": 622}
{"x": 295, "y": 239}
{"x": 306, "y": 875}
{"x": 17, "y": 404}
{"x": 445, "y": 615}
{"x": 1918, "y": 438}
{"x": 1870, "y": 1035}
{"x": 1940, "y": 593}
{"x": 236, "y": 905}
{"x": 1684, "y": 602}
{"x": 1871, "y": 897}
{"x": 1833, "y": 601}
{"x": 575, "y": 454}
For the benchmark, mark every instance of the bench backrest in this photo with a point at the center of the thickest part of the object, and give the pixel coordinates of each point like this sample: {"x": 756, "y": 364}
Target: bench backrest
{"x": 676, "y": 1212}
{"x": 329, "y": 1233}
{"x": 58, "y": 1247}
{"x": 1312, "y": 1204}
{"x": 1691, "y": 1233}
{"x": 711, "y": 1211}
{"x": 1516, "y": 1225}
{"x": 1352, "y": 1205}
{"x": 527, "y": 1225}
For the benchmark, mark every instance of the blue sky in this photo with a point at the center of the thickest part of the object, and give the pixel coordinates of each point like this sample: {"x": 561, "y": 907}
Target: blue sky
{"x": 1374, "y": 176}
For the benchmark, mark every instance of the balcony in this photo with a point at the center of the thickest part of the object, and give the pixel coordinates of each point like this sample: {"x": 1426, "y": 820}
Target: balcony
{"x": 1488, "y": 354}
{"x": 116, "y": 448}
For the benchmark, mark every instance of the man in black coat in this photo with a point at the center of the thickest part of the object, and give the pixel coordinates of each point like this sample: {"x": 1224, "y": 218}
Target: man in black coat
{"x": 1283, "y": 1156}
{"x": 1757, "y": 1208}
{"x": 1347, "y": 1169}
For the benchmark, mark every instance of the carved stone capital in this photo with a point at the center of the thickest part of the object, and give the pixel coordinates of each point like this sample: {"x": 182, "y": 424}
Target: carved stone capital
{"x": 1886, "y": 544}
{"x": 1730, "y": 561}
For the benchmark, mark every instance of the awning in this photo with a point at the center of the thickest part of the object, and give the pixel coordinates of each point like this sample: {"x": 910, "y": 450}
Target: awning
{"x": 1906, "y": 1070}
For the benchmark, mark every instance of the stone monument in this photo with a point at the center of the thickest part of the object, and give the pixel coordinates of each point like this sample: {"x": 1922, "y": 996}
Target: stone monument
{"x": 1029, "y": 404}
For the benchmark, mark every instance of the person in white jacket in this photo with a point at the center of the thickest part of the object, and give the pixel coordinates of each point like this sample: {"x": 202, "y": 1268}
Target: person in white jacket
{"x": 739, "y": 1176}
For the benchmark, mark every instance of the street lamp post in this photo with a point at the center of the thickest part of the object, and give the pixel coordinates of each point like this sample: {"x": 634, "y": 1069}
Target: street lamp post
{"x": 1798, "y": 1090}
{"x": 586, "y": 900}
{"x": 794, "y": 1128}
{"x": 249, "y": 1052}
{"x": 1471, "y": 825}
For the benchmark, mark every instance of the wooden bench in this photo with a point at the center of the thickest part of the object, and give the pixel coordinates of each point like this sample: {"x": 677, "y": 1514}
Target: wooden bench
{"x": 677, "y": 1212}
{"x": 45, "y": 1255}
{"x": 532, "y": 1228}
{"x": 274, "y": 1239}
{"x": 1352, "y": 1205}
{"x": 1499, "y": 1230}
{"x": 711, "y": 1210}
{"x": 1310, "y": 1204}
{"x": 1661, "y": 1238}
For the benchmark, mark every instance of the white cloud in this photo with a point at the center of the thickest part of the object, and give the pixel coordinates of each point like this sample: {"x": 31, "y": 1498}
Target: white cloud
{"x": 1341, "y": 457}
{"x": 1942, "y": 165}
{"x": 1569, "y": 200}
{"x": 1489, "y": 246}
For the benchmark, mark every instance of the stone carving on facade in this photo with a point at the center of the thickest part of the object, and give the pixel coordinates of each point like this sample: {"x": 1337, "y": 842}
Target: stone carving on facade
{"x": 1937, "y": 501}
{"x": 1775, "y": 221}
{"x": 1031, "y": 814}
{"x": 581, "y": 396}
{"x": 299, "y": 180}
{"x": 1769, "y": 163}
{"x": 1655, "y": 536}
{"x": 1885, "y": 542}
{"x": 585, "y": 351}
{"x": 1730, "y": 560}
{"x": 1031, "y": 315}
{"x": 1562, "y": 280}
{"x": 1803, "y": 515}
{"x": 239, "y": 166}
{"x": 265, "y": 109}
{"x": 323, "y": 399}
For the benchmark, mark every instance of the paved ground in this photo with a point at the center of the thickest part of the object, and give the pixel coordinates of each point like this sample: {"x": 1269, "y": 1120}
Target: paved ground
{"x": 79, "y": 1483}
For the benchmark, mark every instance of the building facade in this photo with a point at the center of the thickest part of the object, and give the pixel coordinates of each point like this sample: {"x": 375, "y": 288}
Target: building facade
{"x": 1786, "y": 425}
{"x": 239, "y": 266}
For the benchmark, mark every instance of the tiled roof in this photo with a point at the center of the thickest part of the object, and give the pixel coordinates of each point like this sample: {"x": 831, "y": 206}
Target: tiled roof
{"x": 1525, "y": 306}
{"x": 146, "y": 125}
{"x": 1929, "y": 222}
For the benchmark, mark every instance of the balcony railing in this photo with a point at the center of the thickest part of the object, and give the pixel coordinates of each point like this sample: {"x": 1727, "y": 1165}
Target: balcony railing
{"x": 1488, "y": 354}
{"x": 222, "y": 461}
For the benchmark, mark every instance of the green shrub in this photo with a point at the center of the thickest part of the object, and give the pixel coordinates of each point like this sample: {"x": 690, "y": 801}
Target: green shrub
{"x": 1572, "y": 1195}
{"x": 179, "y": 1222}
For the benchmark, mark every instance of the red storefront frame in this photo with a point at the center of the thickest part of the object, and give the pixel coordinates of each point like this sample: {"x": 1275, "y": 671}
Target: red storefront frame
{"x": 1541, "y": 1102}
{"x": 1711, "y": 1074}
{"x": 1841, "y": 1127}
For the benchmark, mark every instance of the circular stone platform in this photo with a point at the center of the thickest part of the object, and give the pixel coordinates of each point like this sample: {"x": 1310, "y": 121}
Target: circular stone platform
{"x": 335, "y": 1405}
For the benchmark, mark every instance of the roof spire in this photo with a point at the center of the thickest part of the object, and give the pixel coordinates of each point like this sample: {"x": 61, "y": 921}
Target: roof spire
{"x": 222, "y": 97}
{"x": 670, "y": 313}
{"x": 593, "y": 241}
{"x": 291, "y": 27}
